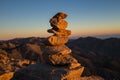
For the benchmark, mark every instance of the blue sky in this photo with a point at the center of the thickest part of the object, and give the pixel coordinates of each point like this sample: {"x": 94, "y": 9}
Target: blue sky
{"x": 26, "y": 18}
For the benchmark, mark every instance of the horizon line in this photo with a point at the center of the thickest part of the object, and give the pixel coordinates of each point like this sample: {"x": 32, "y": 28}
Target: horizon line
{"x": 71, "y": 37}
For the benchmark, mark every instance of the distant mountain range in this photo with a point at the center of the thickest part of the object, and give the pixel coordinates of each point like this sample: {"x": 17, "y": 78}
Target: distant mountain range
{"x": 99, "y": 56}
{"x": 109, "y": 46}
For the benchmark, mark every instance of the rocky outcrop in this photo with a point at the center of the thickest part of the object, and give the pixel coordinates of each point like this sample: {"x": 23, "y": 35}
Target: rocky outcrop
{"x": 45, "y": 71}
{"x": 56, "y": 52}
{"x": 5, "y": 65}
{"x": 99, "y": 56}
{"x": 92, "y": 78}
{"x": 59, "y": 64}
{"x": 7, "y": 76}
{"x": 93, "y": 53}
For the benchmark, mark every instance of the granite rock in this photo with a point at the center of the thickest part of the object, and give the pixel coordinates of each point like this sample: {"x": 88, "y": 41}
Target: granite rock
{"x": 59, "y": 64}
{"x": 60, "y": 32}
{"x": 57, "y": 21}
{"x": 45, "y": 71}
{"x": 63, "y": 49}
{"x": 57, "y": 40}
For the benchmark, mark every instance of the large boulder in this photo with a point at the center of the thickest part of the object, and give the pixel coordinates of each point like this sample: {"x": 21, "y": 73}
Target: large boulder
{"x": 45, "y": 71}
{"x": 7, "y": 76}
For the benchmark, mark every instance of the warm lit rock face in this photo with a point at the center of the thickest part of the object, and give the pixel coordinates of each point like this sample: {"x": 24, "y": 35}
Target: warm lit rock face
{"x": 6, "y": 76}
{"x": 56, "y": 52}
{"x": 45, "y": 71}
{"x": 60, "y": 34}
{"x": 59, "y": 64}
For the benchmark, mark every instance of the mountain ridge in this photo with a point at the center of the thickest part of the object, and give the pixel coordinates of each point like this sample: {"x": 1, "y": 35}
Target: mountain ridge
{"x": 99, "y": 56}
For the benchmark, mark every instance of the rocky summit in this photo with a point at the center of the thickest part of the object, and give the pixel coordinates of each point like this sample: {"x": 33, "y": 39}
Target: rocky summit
{"x": 58, "y": 64}
{"x": 45, "y": 71}
{"x": 100, "y": 57}
{"x": 59, "y": 53}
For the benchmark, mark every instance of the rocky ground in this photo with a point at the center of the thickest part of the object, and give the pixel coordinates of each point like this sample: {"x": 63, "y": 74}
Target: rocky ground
{"x": 99, "y": 57}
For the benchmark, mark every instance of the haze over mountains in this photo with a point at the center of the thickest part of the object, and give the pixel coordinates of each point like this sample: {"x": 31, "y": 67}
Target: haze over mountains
{"x": 100, "y": 57}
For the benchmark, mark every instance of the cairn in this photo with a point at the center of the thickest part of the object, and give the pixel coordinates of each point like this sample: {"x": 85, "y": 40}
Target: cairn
{"x": 56, "y": 52}
{"x": 59, "y": 64}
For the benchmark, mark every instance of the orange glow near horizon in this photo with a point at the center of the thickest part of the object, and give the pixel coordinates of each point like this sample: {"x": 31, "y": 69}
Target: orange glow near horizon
{"x": 11, "y": 36}
{"x": 101, "y": 31}
{"x": 74, "y": 34}
{"x": 85, "y": 17}
{"x": 83, "y": 30}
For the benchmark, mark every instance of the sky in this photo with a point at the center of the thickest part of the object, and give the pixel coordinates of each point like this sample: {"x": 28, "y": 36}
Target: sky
{"x": 30, "y": 18}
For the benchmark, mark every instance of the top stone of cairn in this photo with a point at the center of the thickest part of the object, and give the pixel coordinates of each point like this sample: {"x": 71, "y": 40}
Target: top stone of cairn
{"x": 58, "y": 21}
{"x": 59, "y": 25}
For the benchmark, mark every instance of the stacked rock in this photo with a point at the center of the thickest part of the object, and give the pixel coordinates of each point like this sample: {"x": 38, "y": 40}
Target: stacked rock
{"x": 56, "y": 52}
{"x": 59, "y": 64}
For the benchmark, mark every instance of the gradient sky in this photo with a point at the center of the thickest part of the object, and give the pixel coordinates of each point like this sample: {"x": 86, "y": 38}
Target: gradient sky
{"x": 28, "y": 18}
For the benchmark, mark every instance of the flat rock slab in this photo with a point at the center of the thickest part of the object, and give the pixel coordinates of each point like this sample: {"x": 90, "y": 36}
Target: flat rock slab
{"x": 63, "y": 49}
{"x": 43, "y": 71}
{"x": 57, "y": 40}
{"x": 6, "y": 76}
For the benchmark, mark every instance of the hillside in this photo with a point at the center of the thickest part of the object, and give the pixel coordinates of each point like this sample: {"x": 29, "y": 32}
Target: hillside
{"x": 99, "y": 56}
